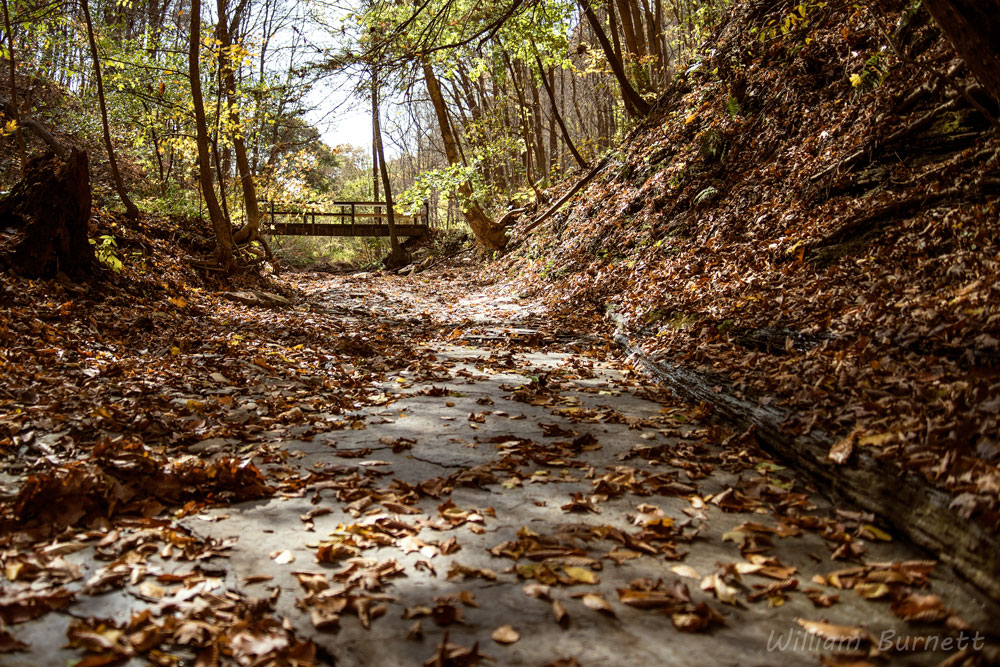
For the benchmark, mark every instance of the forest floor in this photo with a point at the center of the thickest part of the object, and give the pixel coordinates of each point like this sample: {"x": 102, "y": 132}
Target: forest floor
{"x": 421, "y": 470}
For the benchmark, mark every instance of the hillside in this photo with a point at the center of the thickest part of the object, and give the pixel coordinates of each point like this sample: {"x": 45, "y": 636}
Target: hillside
{"x": 807, "y": 229}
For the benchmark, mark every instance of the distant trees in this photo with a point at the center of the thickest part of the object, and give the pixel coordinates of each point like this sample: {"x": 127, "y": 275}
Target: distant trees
{"x": 522, "y": 93}
{"x": 502, "y": 97}
{"x": 129, "y": 66}
{"x": 486, "y": 231}
{"x": 635, "y": 104}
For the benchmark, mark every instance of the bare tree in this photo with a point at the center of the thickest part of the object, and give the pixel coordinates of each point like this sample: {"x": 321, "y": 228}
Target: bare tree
{"x": 397, "y": 256}
{"x": 555, "y": 112}
{"x": 635, "y": 105}
{"x": 223, "y": 231}
{"x": 131, "y": 210}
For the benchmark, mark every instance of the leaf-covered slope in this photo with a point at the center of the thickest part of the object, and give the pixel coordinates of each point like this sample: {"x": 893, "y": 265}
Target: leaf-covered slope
{"x": 811, "y": 219}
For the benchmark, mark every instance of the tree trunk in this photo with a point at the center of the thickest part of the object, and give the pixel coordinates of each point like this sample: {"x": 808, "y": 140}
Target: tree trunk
{"x": 635, "y": 105}
{"x": 486, "y": 231}
{"x": 131, "y": 210}
{"x": 223, "y": 232}
{"x": 375, "y": 158}
{"x": 628, "y": 30}
{"x": 555, "y": 112}
{"x": 536, "y": 122}
{"x": 397, "y": 257}
{"x": 973, "y": 28}
{"x": 50, "y": 209}
{"x": 525, "y": 130}
{"x": 251, "y": 230}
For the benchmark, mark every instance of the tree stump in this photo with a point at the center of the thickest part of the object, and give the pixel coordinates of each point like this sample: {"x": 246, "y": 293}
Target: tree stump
{"x": 44, "y": 218}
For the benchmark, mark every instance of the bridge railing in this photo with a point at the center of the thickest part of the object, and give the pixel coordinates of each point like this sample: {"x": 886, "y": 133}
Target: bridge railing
{"x": 348, "y": 213}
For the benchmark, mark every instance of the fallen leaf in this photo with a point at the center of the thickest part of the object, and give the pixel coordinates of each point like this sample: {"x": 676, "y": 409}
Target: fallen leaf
{"x": 596, "y": 602}
{"x": 505, "y": 634}
{"x": 841, "y": 451}
{"x": 283, "y": 557}
{"x": 837, "y": 633}
{"x": 560, "y": 613}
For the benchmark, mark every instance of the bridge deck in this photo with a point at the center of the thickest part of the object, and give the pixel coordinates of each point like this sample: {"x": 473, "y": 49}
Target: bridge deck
{"x": 352, "y": 219}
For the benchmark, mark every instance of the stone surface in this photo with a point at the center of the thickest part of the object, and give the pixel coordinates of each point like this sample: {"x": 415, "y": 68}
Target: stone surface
{"x": 479, "y": 382}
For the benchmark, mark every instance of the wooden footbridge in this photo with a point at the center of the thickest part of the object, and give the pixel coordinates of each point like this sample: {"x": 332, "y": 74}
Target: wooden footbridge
{"x": 341, "y": 218}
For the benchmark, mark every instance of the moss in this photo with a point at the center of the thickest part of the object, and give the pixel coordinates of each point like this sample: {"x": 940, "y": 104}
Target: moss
{"x": 951, "y": 122}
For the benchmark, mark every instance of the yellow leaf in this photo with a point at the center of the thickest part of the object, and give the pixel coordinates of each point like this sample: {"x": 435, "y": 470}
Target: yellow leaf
{"x": 871, "y": 591}
{"x": 877, "y": 533}
{"x": 580, "y": 574}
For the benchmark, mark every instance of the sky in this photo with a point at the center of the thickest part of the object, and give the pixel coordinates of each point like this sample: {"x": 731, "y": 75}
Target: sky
{"x": 351, "y": 125}
{"x": 341, "y": 118}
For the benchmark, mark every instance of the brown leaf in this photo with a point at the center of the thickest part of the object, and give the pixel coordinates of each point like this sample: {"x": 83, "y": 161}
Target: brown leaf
{"x": 838, "y": 633}
{"x": 841, "y": 451}
{"x": 325, "y": 612}
{"x": 653, "y": 599}
{"x": 699, "y": 619}
{"x": 20, "y": 606}
{"x": 10, "y": 644}
{"x": 921, "y": 608}
{"x": 560, "y": 613}
{"x": 539, "y": 591}
{"x": 455, "y": 655}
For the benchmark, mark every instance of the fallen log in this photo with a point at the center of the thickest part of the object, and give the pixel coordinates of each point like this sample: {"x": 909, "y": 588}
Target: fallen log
{"x": 918, "y": 510}
{"x": 510, "y": 217}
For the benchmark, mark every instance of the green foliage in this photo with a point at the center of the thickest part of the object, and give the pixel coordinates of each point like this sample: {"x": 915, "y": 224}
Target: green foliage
{"x": 174, "y": 199}
{"x": 448, "y": 180}
{"x": 799, "y": 17}
{"x": 713, "y": 145}
{"x": 871, "y": 76}
{"x": 106, "y": 252}
{"x": 732, "y": 107}
{"x": 708, "y": 194}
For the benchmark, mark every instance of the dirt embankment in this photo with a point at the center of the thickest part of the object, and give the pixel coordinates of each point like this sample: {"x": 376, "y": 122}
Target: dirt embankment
{"x": 805, "y": 236}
